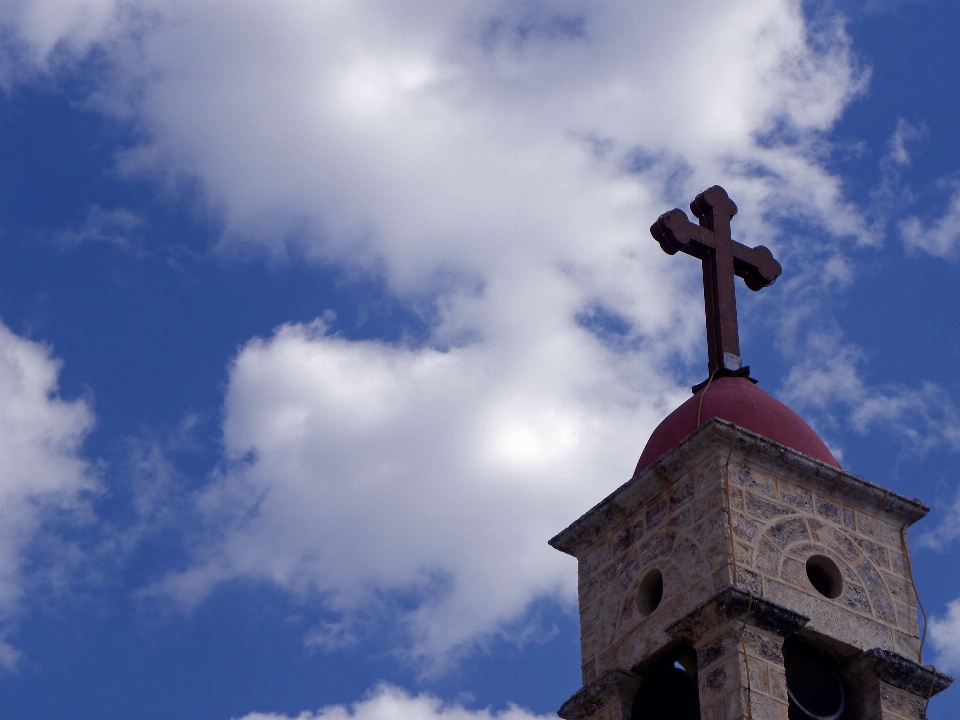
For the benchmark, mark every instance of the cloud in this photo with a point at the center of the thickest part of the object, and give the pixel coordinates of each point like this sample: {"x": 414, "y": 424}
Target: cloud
{"x": 945, "y": 636}
{"x": 947, "y": 531}
{"x": 116, "y": 227}
{"x": 495, "y": 166}
{"x": 413, "y": 132}
{"x": 938, "y": 238}
{"x": 47, "y": 34}
{"x": 891, "y": 195}
{"x": 904, "y": 133}
{"x": 359, "y": 468}
{"x": 391, "y": 703}
{"x": 830, "y": 381}
{"x": 43, "y": 475}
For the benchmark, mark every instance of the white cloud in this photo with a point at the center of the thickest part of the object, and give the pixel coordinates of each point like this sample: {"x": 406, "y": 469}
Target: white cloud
{"x": 360, "y": 467}
{"x": 902, "y": 134}
{"x": 829, "y": 380}
{"x": 945, "y": 636}
{"x": 497, "y": 165}
{"x": 414, "y": 131}
{"x": 392, "y": 703}
{"x": 891, "y": 195}
{"x": 948, "y": 529}
{"x": 52, "y": 31}
{"x": 116, "y": 226}
{"x": 41, "y": 469}
{"x": 940, "y": 237}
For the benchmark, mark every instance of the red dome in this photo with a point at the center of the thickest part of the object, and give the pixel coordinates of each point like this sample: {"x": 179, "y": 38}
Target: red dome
{"x": 739, "y": 401}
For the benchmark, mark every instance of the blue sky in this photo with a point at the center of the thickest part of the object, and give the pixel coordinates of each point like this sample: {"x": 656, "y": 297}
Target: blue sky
{"x": 319, "y": 320}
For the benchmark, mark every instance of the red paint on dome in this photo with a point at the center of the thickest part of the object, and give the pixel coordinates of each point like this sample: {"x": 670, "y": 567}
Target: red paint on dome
{"x": 739, "y": 401}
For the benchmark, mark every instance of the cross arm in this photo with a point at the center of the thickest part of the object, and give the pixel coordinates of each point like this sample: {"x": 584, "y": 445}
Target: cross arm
{"x": 675, "y": 233}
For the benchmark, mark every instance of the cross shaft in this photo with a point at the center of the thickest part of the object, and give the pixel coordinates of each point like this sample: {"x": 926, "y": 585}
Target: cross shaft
{"x": 722, "y": 258}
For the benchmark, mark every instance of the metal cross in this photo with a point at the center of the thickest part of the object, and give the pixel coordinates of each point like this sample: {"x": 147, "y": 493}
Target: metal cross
{"x": 722, "y": 258}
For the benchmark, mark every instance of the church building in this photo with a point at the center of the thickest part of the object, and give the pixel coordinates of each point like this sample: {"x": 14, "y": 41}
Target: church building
{"x": 741, "y": 573}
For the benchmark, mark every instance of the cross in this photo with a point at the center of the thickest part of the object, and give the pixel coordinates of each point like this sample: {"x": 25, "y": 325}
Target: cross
{"x": 722, "y": 258}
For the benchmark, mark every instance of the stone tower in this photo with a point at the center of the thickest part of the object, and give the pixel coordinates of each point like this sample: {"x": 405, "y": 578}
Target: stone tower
{"x": 742, "y": 574}
{"x": 730, "y": 544}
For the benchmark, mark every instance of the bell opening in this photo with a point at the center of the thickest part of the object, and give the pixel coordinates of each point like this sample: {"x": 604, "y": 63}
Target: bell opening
{"x": 814, "y": 685}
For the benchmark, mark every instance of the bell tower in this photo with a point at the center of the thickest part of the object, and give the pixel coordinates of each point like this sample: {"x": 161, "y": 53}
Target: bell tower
{"x": 741, "y": 574}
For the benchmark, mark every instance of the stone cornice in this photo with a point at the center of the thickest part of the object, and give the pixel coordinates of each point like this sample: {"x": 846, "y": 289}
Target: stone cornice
{"x": 893, "y": 669}
{"x": 716, "y": 437}
{"x": 733, "y": 604}
{"x": 613, "y": 686}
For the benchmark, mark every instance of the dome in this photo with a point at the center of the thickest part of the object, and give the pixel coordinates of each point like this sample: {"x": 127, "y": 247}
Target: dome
{"x": 739, "y": 401}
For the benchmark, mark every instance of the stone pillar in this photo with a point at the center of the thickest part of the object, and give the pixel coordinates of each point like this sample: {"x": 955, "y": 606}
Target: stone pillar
{"x": 888, "y": 686}
{"x": 739, "y": 644}
{"x": 608, "y": 697}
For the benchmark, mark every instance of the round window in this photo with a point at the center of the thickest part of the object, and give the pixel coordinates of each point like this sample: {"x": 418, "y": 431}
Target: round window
{"x": 825, "y": 576}
{"x": 651, "y": 592}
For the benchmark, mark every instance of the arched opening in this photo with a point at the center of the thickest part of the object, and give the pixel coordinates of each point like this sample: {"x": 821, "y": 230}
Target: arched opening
{"x": 669, "y": 692}
{"x": 814, "y": 685}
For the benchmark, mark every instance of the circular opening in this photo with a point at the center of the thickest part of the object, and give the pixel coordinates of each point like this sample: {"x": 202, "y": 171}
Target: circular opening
{"x": 825, "y": 577}
{"x": 813, "y": 683}
{"x": 651, "y": 592}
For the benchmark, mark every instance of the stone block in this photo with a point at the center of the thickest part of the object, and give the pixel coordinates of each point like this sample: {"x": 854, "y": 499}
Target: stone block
{"x": 744, "y": 528}
{"x": 900, "y": 588}
{"x": 595, "y": 559}
{"x": 876, "y": 529}
{"x": 681, "y": 519}
{"x": 778, "y": 687}
{"x": 907, "y": 619}
{"x": 656, "y": 514}
{"x": 848, "y": 518}
{"x": 797, "y": 497}
{"x": 718, "y": 680}
{"x": 628, "y": 537}
{"x": 763, "y": 707}
{"x": 827, "y": 509}
{"x": 752, "y": 479}
{"x": 793, "y": 573}
{"x": 876, "y": 552}
{"x": 898, "y": 564}
{"x": 682, "y": 494}
{"x": 766, "y": 509}
{"x": 879, "y": 593}
{"x": 759, "y": 676}
{"x": 841, "y": 543}
{"x": 854, "y": 597}
{"x": 590, "y": 617}
{"x": 629, "y": 568}
{"x": 788, "y": 531}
